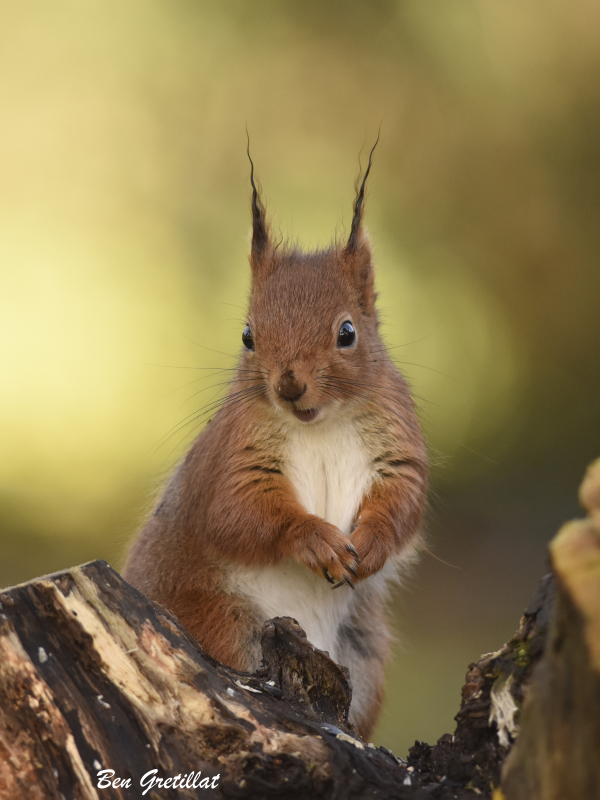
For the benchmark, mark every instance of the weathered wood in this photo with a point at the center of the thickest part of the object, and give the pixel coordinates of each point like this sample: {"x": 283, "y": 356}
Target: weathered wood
{"x": 557, "y": 754}
{"x": 94, "y": 676}
{"x": 488, "y": 719}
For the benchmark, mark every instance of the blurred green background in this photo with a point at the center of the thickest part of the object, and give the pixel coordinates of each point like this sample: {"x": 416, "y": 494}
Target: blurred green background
{"x": 124, "y": 199}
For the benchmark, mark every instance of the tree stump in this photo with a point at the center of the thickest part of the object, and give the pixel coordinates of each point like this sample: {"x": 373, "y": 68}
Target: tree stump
{"x": 557, "y": 754}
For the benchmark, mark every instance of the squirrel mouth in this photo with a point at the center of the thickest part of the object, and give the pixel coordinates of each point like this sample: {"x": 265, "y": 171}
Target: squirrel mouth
{"x": 306, "y": 415}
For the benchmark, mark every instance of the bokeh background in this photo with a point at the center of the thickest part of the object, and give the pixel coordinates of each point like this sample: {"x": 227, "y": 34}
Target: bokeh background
{"x": 124, "y": 219}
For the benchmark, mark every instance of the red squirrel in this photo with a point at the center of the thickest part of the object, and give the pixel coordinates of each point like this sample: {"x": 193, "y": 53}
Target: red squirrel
{"x": 311, "y": 477}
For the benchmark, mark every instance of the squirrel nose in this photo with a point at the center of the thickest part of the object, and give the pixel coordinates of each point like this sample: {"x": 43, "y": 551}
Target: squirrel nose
{"x": 288, "y": 387}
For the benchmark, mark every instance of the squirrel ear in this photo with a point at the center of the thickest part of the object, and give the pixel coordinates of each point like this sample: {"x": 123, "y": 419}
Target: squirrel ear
{"x": 358, "y": 266}
{"x": 260, "y": 233}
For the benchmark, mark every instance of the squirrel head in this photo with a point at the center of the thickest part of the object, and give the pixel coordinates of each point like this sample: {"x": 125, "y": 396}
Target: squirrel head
{"x": 311, "y": 336}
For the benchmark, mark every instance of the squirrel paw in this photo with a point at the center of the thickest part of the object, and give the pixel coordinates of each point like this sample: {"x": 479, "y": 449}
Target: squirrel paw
{"x": 374, "y": 548}
{"x": 324, "y": 549}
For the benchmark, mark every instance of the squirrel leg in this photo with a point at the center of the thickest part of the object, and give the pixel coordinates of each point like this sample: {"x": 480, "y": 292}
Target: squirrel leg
{"x": 388, "y": 521}
{"x": 363, "y": 646}
{"x": 226, "y": 627}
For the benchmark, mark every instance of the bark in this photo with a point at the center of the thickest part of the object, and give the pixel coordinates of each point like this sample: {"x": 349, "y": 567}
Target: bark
{"x": 488, "y": 719}
{"x": 556, "y": 754}
{"x": 94, "y": 676}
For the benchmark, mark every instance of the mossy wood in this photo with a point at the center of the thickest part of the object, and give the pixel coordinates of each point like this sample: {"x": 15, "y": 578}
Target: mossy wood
{"x": 95, "y": 676}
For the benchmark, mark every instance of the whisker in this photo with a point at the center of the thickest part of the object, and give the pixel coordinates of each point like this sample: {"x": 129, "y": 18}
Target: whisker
{"x": 368, "y": 392}
{"x": 332, "y": 380}
{"x": 243, "y": 400}
{"x": 198, "y": 417}
{"x": 174, "y": 366}
{"x": 416, "y": 341}
{"x": 371, "y": 386}
{"x": 209, "y": 349}
{"x": 213, "y": 375}
{"x": 374, "y": 388}
{"x": 207, "y": 409}
{"x": 214, "y": 386}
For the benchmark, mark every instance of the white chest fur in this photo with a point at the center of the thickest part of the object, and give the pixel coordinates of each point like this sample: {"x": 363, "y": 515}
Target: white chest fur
{"x": 330, "y": 471}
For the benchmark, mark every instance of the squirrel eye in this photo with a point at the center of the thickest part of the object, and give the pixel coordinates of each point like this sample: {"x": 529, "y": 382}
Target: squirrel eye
{"x": 347, "y": 334}
{"x": 247, "y": 338}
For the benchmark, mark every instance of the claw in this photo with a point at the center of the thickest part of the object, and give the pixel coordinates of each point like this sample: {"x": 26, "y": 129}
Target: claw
{"x": 353, "y": 571}
{"x": 354, "y": 552}
{"x": 345, "y": 581}
{"x": 327, "y": 576}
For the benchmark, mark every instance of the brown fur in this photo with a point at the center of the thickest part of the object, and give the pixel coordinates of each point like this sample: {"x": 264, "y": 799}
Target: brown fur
{"x": 229, "y": 502}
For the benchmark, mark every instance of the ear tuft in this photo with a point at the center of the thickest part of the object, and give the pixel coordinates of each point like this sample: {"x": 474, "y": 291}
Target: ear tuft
{"x": 260, "y": 231}
{"x": 353, "y": 239}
